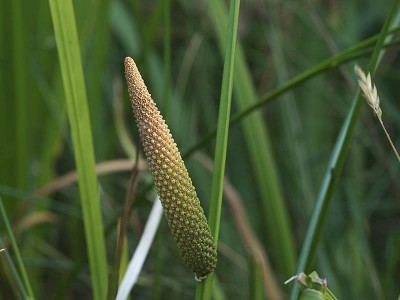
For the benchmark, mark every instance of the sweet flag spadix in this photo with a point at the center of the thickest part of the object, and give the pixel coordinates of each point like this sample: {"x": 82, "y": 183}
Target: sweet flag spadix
{"x": 178, "y": 196}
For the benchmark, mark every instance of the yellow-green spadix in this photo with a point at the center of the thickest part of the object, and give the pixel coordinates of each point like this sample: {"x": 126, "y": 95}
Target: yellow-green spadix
{"x": 178, "y": 196}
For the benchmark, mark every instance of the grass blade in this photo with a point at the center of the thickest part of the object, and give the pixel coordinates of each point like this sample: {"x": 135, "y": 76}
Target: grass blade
{"x": 20, "y": 263}
{"x": 19, "y": 285}
{"x": 256, "y": 136}
{"x": 77, "y": 108}
{"x": 347, "y": 55}
{"x": 336, "y": 163}
{"x": 222, "y": 137}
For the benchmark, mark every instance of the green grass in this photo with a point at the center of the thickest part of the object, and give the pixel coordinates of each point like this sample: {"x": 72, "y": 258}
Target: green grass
{"x": 79, "y": 121}
{"x": 257, "y": 141}
{"x": 316, "y": 177}
{"x": 204, "y": 290}
{"x": 23, "y": 284}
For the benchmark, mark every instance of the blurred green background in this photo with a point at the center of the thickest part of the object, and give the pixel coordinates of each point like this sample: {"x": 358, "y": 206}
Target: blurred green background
{"x": 276, "y": 156}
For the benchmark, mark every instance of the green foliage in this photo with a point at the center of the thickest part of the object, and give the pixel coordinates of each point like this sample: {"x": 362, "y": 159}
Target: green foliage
{"x": 301, "y": 148}
{"x": 78, "y": 114}
{"x": 204, "y": 290}
{"x": 25, "y": 289}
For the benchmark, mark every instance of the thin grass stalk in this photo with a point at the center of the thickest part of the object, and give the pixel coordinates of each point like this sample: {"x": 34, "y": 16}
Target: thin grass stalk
{"x": 19, "y": 285}
{"x": 28, "y": 292}
{"x": 371, "y": 96}
{"x": 252, "y": 244}
{"x": 256, "y": 137}
{"x": 223, "y": 122}
{"x": 63, "y": 17}
{"x": 222, "y": 139}
{"x": 350, "y": 54}
{"x": 357, "y": 51}
{"x": 336, "y": 163}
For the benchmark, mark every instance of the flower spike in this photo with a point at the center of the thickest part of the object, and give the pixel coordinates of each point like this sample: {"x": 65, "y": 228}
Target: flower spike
{"x": 370, "y": 94}
{"x": 181, "y": 205}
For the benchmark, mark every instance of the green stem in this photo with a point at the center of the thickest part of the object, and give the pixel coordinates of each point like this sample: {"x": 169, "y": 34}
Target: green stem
{"x": 336, "y": 164}
{"x": 347, "y": 55}
{"x": 15, "y": 248}
{"x": 222, "y": 140}
{"x": 68, "y": 48}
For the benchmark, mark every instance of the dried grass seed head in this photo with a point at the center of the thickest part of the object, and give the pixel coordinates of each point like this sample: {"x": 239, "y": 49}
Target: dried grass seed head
{"x": 369, "y": 90}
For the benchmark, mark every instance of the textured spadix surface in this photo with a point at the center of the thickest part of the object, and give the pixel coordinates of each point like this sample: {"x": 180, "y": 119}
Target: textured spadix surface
{"x": 178, "y": 196}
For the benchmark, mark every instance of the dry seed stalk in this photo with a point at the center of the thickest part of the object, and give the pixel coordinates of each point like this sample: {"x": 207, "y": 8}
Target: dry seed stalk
{"x": 371, "y": 96}
{"x": 181, "y": 205}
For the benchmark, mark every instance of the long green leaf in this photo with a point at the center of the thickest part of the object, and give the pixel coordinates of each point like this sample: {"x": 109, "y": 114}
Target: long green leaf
{"x": 222, "y": 138}
{"x": 13, "y": 270}
{"x": 77, "y": 108}
{"x": 28, "y": 293}
{"x": 336, "y": 163}
{"x": 256, "y": 136}
{"x": 359, "y": 50}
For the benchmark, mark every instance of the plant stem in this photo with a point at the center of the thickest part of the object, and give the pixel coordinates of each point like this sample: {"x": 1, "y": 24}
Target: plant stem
{"x": 204, "y": 288}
